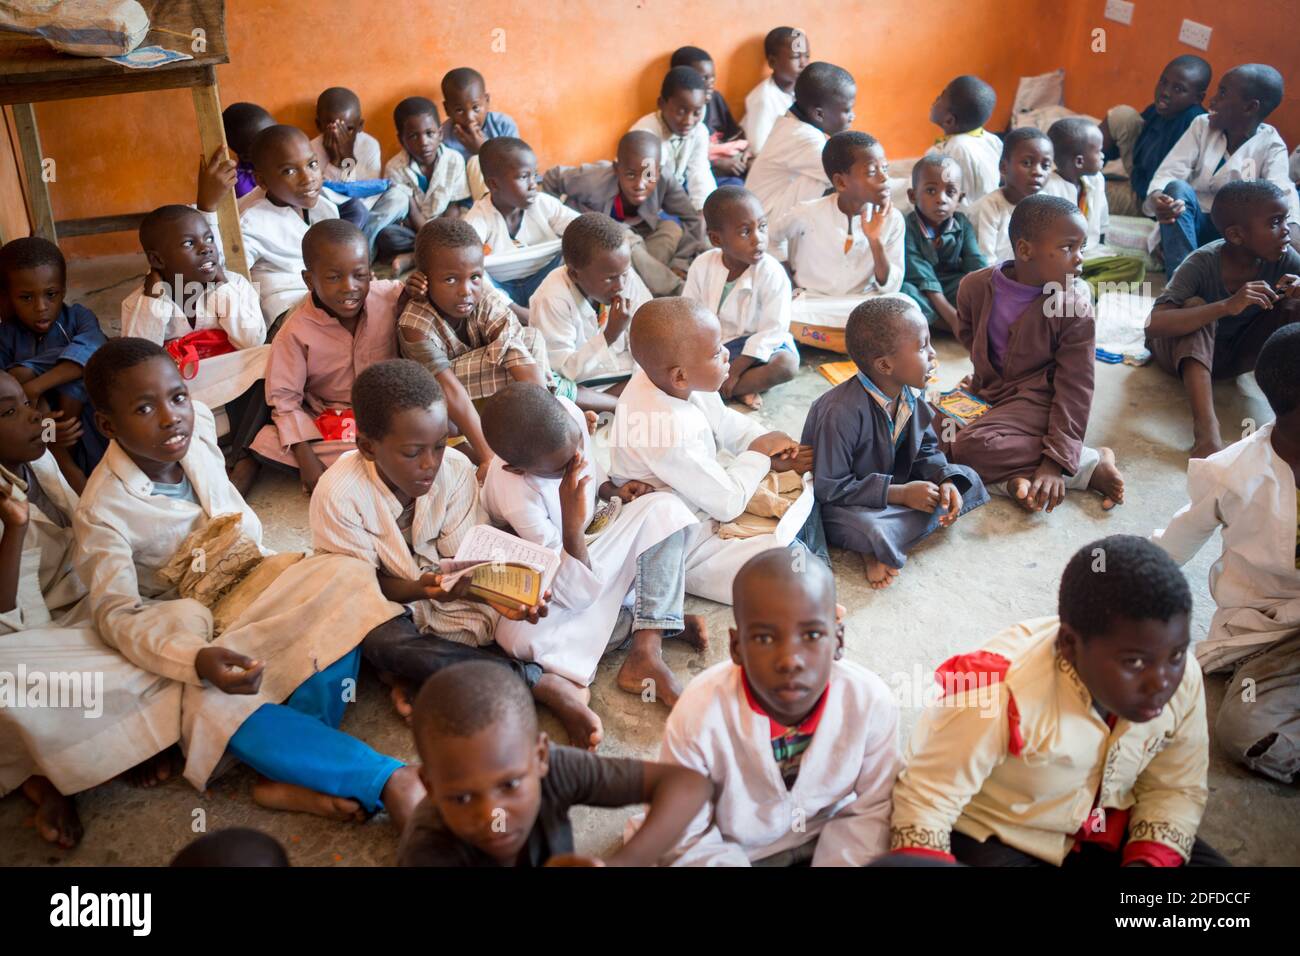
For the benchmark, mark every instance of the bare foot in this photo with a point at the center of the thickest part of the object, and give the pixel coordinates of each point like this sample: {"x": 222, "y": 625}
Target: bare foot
{"x": 1203, "y": 446}
{"x": 840, "y": 613}
{"x": 752, "y": 400}
{"x": 56, "y": 817}
{"x": 403, "y": 263}
{"x": 288, "y": 796}
{"x": 593, "y": 421}
{"x": 159, "y": 768}
{"x": 402, "y": 794}
{"x": 695, "y": 632}
{"x": 244, "y": 474}
{"x": 646, "y": 663}
{"x": 568, "y": 702}
{"x": 879, "y": 574}
{"x": 1107, "y": 481}
{"x": 400, "y": 692}
{"x": 1019, "y": 489}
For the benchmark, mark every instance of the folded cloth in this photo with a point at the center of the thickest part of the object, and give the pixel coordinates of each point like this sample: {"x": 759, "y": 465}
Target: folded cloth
{"x": 775, "y": 495}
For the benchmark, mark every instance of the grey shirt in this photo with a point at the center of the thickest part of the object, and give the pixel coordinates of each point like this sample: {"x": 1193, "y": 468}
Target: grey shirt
{"x": 1200, "y": 275}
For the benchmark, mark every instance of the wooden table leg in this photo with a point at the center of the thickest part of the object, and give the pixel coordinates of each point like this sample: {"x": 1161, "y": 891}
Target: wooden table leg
{"x": 38, "y": 192}
{"x": 212, "y": 135}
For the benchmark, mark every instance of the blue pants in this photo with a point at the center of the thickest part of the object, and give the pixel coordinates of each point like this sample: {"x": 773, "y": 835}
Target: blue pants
{"x": 299, "y": 741}
{"x": 521, "y": 290}
{"x": 1189, "y": 231}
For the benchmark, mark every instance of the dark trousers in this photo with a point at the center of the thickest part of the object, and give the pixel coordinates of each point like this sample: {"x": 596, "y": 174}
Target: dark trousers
{"x": 993, "y": 852}
{"x": 399, "y": 647}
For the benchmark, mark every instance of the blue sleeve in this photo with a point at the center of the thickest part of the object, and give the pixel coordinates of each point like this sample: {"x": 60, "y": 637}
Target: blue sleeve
{"x": 834, "y": 438}
{"x": 81, "y": 326}
{"x": 508, "y": 126}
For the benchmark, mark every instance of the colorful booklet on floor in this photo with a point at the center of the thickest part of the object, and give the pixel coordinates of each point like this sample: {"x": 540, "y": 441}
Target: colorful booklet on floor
{"x": 502, "y": 568}
{"x": 606, "y": 512}
{"x": 961, "y": 406}
{"x": 836, "y": 372}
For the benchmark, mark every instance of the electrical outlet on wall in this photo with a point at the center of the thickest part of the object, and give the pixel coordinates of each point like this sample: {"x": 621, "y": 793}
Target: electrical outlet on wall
{"x": 1121, "y": 11}
{"x": 1195, "y": 34}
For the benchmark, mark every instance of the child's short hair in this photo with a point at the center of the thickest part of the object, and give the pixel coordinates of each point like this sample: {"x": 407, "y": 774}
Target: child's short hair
{"x": 929, "y": 161}
{"x": 1021, "y": 134}
{"x": 588, "y": 234}
{"x": 1262, "y": 83}
{"x": 639, "y": 142}
{"x": 153, "y": 223}
{"x": 1121, "y": 576}
{"x": 495, "y": 152}
{"x": 689, "y": 56}
{"x": 1238, "y": 200}
{"x": 337, "y": 99}
{"x": 874, "y": 328}
{"x": 328, "y": 232}
{"x": 110, "y": 361}
{"x": 465, "y": 698}
{"x": 720, "y": 200}
{"x": 243, "y": 121}
{"x": 775, "y": 564}
{"x": 1277, "y": 370}
{"x": 30, "y": 252}
{"x": 269, "y": 139}
{"x": 382, "y": 390}
{"x": 1035, "y": 214}
{"x": 776, "y": 38}
{"x": 837, "y": 154}
{"x": 1198, "y": 66}
{"x": 235, "y": 846}
{"x": 444, "y": 234}
{"x": 971, "y": 101}
{"x": 414, "y": 106}
{"x": 819, "y": 82}
{"x": 1069, "y": 135}
{"x": 460, "y": 79}
{"x": 682, "y": 78}
{"x": 524, "y": 422}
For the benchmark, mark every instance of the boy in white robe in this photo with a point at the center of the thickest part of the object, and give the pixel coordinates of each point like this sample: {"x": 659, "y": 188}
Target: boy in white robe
{"x": 280, "y": 668}
{"x": 545, "y": 485}
{"x": 1250, "y": 492}
{"x": 961, "y": 111}
{"x": 789, "y": 169}
{"x": 749, "y": 292}
{"x": 672, "y": 431}
{"x": 678, "y": 121}
{"x": 120, "y": 715}
{"x": 848, "y": 246}
{"x": 787, "y": 731}
{"x": 787, "y": 53}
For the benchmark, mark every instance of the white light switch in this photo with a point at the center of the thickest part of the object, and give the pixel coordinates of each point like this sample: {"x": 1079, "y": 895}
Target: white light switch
{"x": 1121, "y": 11}
{"x": 1195, "y": 34}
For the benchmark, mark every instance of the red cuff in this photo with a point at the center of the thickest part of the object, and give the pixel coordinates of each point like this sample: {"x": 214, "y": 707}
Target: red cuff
{"x": 1151, "y": 853}
{"x": 922, "y": 851}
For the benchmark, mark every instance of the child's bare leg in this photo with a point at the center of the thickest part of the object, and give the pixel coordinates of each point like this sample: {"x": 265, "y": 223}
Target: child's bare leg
{"x": 1206, "y": 439}
{"x": 159, "y": 768}
{"x": 244, "y": 474}
{"x": 56, "y": 819}
{"x": 289, "y": 796}
{"x": 645, "y": 662}
{"x": 402, "y": 794}
{"x": 1107, "y": 481}
{"x": 569, "y": 702}
{"x": 879, "y": 574}
{"x": 778, "y": 370}
{"x": 590, "y": 400}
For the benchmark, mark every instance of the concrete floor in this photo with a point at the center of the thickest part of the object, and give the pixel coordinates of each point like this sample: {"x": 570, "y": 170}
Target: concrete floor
{"x": 901, "y": 633}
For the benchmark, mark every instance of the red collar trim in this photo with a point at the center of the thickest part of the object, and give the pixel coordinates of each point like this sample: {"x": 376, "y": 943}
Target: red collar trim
{"x": 776, "y": 728}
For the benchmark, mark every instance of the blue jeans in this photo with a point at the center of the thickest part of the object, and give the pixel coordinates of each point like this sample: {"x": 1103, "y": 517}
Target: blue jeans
{"x": 521, "y": 290}
{"x": 1189, "y": 231}
{"x": 299, "y": 741}
{"x": 660, "y": 591}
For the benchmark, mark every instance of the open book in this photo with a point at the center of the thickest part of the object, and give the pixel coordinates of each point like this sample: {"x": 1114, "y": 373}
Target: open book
{"x": 961, "y": 406}
{"x": 502, "y": 568}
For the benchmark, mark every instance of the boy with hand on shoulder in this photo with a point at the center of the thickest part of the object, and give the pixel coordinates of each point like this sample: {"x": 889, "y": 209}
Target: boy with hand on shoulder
{"x": 878, "y": 472}
{"x": 750, "y": 293}
{"x": 1007, "y": 768}
{"x": 1029, "y": 329}
{"x": 471, "y": 122}
{"x": 786, "y": 726}
{"x": 1226, "y": 299}
{"x": 787, "y": 53}
{"x": 961, "y": 111}
{"x": 499, "y": 792}
{"x": 940, "y": 248}
{"x": 679, "y": 123}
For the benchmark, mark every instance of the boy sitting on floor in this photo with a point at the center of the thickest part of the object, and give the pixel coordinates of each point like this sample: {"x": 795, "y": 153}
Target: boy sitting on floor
{"x": 786, "y": 51}
{"x": 940, "y": 248}
{"x": 242, "y": 122}
{"x": 471, "y": 121}
{"x": 679, "y": 123}
{"x": 1026, "y": 168}
{"x": 961, "y": 111}
{"x": 1007, "y": 768}
{"x": 727, "y": 146}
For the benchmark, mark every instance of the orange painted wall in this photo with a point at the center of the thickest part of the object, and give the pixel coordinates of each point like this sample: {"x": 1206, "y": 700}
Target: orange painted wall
{"x": 576, "y": 73}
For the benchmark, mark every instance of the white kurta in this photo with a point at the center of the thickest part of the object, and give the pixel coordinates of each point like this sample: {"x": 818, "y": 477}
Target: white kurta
{"x": 763, "y": 106}
{"x": 509, "y": 257}
{"x": 757, "y": 308}
{"x": 233, "y": 308}
{"x": 991, "y": 218}
{"x": 1248, "y": 492}
{"x": 789, "y": 169}
{"x": 684, "y": 158}
{"x": 696, "y": 448}
{"x": 134, "y": 714}
{"x": 365, "y": 152}
{"x": 446, "y": 184}
{"x": 978, "y": 156}
{"x": 1196, "y": 156}
{"x": 585, "y": 604}
{"x": 575, "y": 341}
{"x": 316, "y": 611}
{"x": 841, "y": 797}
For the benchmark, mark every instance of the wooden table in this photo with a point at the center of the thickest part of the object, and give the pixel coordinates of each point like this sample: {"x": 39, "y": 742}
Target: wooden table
{"x": 32, "y": 72}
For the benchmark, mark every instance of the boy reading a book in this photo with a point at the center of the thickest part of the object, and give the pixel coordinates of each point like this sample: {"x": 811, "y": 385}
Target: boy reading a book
{"x": 878, "y": 472}
{"x": 500, "y": 792}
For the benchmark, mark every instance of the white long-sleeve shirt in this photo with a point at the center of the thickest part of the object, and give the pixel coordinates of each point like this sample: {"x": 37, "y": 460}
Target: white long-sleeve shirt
{"x": 763, "y": 106}
{"x": 817, "y": 233}
{"x": 841, "y": 796}
{"x": 365, "y": 152}
{"x": 789, "y": 169}
{"x": 991, "y": 217}
{"x": 757, "y": 308}
{"x": 537, "y": 241}
{"x": 685, "y": 158}
{"x": 1196, "y": 159}
{"x": 978, "y": 156}
{"x": 570, "y": 324}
